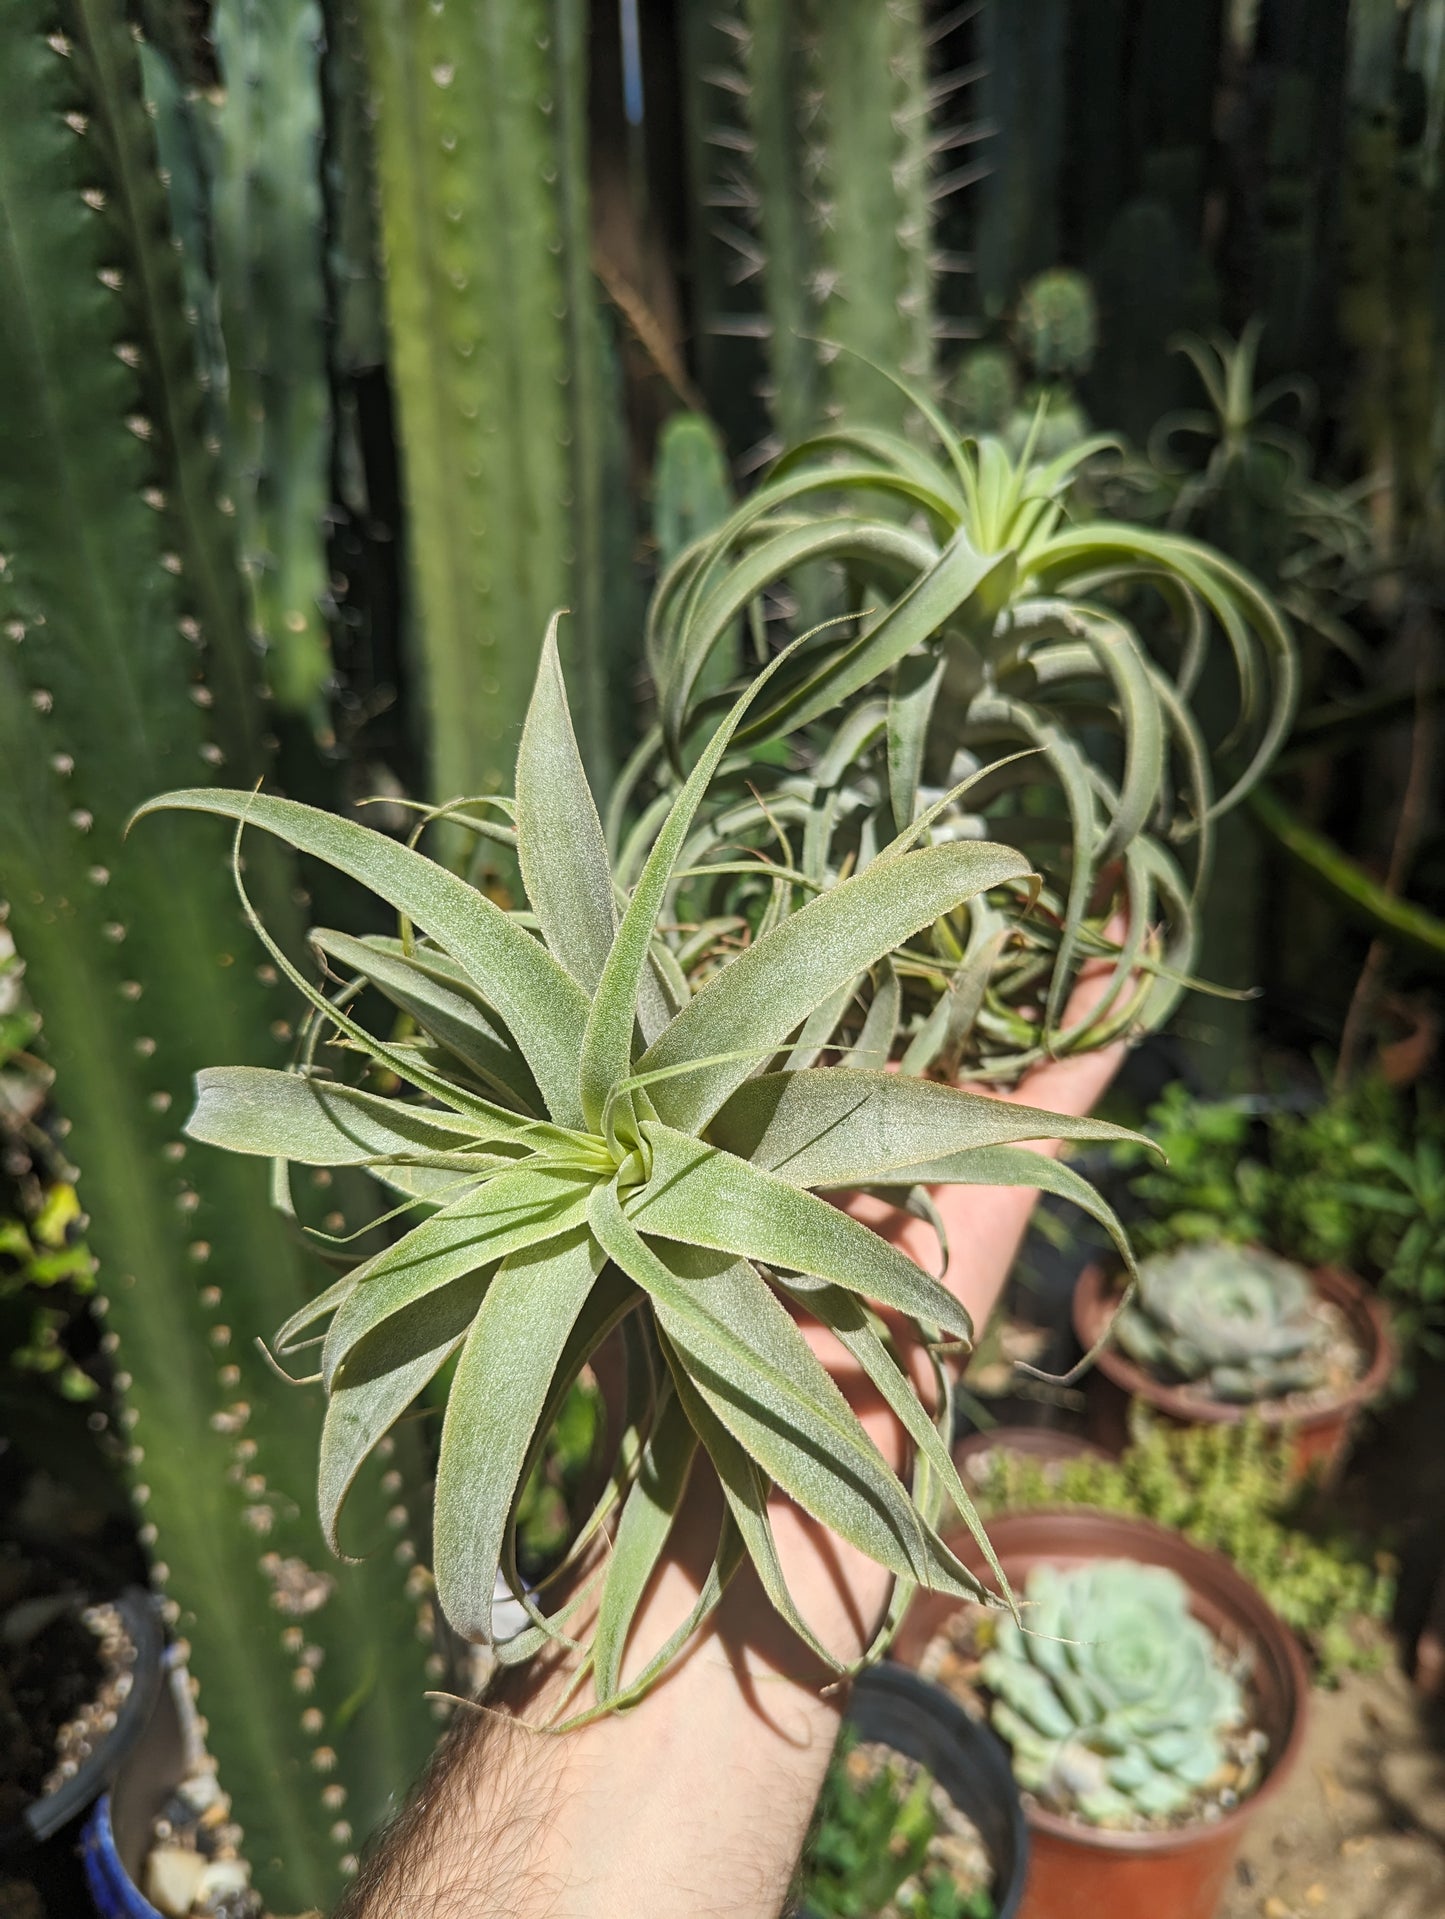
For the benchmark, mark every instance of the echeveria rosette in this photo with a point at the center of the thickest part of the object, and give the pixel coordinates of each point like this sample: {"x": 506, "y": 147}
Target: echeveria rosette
{"x": 988, "y": 621}
{"x": 1239, "y": 1320}
{"x": 1113, "y": 1699}
{"x": 593, "y": 1148}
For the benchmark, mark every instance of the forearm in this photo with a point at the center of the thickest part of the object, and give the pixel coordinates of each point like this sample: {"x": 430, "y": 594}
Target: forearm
{"x": 696, "y": 1802}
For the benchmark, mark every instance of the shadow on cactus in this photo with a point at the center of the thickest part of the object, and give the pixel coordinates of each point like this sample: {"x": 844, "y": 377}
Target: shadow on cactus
{"x": 595, "y": 1149}
{"x": 983, "y": 620}
{"x": 1241, "y": 1322}
{"x": 1116, "y": 1704}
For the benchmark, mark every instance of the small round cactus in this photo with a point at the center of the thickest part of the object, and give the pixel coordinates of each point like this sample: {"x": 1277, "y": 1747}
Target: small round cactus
{"x": 1056, "y": 325}
{"x": 986, "y": 389}
{"x": 1240, "y": 1321}
{"x": 1048, "y": 420}
{"x": 1113, "y": 1699}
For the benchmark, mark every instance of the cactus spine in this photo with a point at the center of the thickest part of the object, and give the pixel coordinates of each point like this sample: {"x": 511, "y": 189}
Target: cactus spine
{"x": 497, "y": 359}
{"x": 269, "y": 267}
{"x": 829, "y": 166}
{"x": 124, "y": 665}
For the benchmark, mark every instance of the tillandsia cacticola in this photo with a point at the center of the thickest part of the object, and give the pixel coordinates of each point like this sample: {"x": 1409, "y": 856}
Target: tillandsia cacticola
{"x": 985, "y": 619}
{"x": 595, "y": 1147}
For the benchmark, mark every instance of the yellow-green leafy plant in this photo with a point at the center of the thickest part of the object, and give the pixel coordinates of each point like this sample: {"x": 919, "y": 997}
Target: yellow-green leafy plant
{"x": 1233, "y": 1489}
{"x": 984, "y": 618}
{"x": 596, "y": 1147}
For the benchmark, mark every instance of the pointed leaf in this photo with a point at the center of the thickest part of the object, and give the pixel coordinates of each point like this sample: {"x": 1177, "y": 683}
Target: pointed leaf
{"x": 642, "y": 1532}
{"x": 381, "y": 1378}
{"x": 544, "y": 1008}
{"x": 702, "y": 1197}
{"x": 559, "y": 835}
{"x": 759, "y": 1375}
{"x": 512, "y": 1211}
{"x": 606, "y": 1050}
{"x": 498, "y": 1392}
{"x": 437, "y": 993}
{"x": 253, "y": 1109}
{"x": 760, "y": 997}
{"x": 844, "y": 1127}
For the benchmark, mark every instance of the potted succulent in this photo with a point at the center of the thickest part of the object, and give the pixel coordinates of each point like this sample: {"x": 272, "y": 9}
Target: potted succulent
{"x": 595, "y": 1144}
{"x": 919, "y": 1817}
{"x": 1151, "y": 1701}
{"x": 1217, "y": 1330}
{"x": 1222, "y": 1324}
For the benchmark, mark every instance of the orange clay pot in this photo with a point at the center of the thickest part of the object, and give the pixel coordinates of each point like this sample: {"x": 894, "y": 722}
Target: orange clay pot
{"x": 1083, "y": 1872}
{"x": 1320, "y": 1439}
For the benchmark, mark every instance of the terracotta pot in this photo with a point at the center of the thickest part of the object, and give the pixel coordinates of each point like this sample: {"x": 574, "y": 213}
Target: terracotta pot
{"x": 1045, "y": 1445}
{"x": 1083, "y": 1872}
{"x": 1321, "y": 1439}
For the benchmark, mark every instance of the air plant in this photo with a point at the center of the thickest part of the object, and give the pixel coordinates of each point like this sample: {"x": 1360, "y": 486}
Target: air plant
{"x": 596, "y": 1147}
{"x": 1240, "y": 1321}
{"x": 1115, "y": 1702}
{"x": 981, "y": 619}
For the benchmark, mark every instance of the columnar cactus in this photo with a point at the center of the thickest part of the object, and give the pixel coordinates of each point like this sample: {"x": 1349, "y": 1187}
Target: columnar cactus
{"x": 499, "y": 364}
{"x": 1240, "y": 1321}
{"x": 124, "y": 663}
{"x": 1115, "y": 1702}
{"x": 270, "y": 270}
{"x": 829, "y": 153}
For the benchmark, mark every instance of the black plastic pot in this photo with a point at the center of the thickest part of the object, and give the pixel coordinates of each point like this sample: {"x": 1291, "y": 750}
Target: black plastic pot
{"x": 897, "y": 1708}
{"x": 41, "y": 1844}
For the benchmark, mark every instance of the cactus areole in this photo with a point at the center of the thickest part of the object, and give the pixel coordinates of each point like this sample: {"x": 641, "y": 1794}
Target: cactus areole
{"x": 591, "y": 1149}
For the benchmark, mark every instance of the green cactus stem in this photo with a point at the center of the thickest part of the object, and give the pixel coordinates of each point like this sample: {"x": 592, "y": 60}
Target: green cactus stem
{"x": 499, "y": 363}
{"x": 269, "y": 265}
{"x": 123, "y": 663}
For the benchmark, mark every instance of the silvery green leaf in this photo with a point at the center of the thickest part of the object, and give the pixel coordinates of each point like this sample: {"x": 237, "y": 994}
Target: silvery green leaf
{"x": 702, "y": 1197}
{"x": 500, "y": 1387}
{"x": 251, "y": 1109}
{"x": 438, "y": 994}
{"x": 843, "y": 1127}
{"x": 545, "y": 1009}
{"x": 759, "y": 998}
{"x": 512, "y": 1211}
{"x": 559, "y": 836}
{"x": 381, "y": 1377}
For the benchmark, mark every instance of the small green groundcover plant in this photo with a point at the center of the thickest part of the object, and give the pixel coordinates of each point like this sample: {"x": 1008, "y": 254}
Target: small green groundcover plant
{"x": 594, "y": 1148}
{"x": 881, "y": 1845}
{"x": 1230, "y": 1489}
{"x": 1115, "y": 1702}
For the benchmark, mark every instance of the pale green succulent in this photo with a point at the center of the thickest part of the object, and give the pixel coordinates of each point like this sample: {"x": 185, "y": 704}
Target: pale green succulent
{"x": 1112, "y": 1698}
{"x": 1241, "y": 1321}
{"x": 596, "y": 1147}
